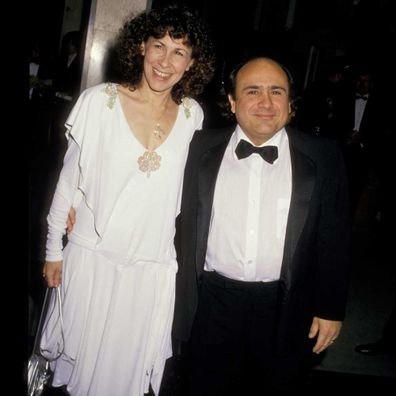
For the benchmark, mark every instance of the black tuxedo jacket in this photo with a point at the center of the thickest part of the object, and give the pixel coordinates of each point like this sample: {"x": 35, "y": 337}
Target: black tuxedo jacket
{"x": 315, "y": 267}
{"x": 372, "y": 126}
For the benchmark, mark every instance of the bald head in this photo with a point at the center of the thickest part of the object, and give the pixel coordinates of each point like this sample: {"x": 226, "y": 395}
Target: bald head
{"x": 260, "y": 98}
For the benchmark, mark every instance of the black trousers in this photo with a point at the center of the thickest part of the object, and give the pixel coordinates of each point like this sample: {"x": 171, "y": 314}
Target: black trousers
{"x": 232, "y": 340}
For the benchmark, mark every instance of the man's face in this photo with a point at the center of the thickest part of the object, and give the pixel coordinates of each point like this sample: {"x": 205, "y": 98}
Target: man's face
{"x": 363, "y": 83}
{"x": 261, "y": 104}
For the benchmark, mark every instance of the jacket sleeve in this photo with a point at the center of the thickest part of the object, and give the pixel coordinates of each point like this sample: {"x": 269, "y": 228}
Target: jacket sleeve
{"x": 334, "y": 241}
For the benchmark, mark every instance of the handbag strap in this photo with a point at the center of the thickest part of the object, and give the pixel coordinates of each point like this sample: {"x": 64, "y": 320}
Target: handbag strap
{"x": 41, "y": 328}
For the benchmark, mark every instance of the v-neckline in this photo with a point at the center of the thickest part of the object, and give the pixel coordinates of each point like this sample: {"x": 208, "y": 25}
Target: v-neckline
{"x": 131, "y": 132}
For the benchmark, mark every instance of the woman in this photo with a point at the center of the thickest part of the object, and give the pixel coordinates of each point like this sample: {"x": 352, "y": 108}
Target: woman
{"x": 123, "y": 173}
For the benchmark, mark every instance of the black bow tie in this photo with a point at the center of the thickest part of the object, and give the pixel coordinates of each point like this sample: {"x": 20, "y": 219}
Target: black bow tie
{"x": 244, "y": 149}
{"x": 361, "y": 97}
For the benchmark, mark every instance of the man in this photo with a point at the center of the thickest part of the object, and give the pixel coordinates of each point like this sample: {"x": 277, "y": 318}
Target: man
{"x": 365, "y": 133}
{"x": 263, "y": 244}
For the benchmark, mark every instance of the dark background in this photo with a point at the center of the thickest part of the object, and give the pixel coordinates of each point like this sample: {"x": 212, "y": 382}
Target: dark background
{"x": 359, "y": 33}
{"x": 356, "y": 31}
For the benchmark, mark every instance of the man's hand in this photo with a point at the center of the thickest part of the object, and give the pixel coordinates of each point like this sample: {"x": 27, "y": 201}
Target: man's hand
{"x": 326, "y": 330}
{"x": 71, "y": 219}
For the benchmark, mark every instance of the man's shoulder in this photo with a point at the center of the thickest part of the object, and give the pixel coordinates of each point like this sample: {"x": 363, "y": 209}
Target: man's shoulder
{"x": 208, "y": 137}
{"x": 319, "y": 148}
{"x": 309, "y": 141}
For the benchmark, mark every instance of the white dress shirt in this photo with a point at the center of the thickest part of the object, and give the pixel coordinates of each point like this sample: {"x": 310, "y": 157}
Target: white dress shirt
{"x": 249, "y": 215}
{"x": 360, "y": 106}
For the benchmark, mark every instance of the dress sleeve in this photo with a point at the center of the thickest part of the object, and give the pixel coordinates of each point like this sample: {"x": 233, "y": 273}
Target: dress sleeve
{"x": 64, "y": 198}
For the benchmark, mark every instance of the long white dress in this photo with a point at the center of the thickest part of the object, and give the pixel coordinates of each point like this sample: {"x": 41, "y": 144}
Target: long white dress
{"x": 119, "y": 266}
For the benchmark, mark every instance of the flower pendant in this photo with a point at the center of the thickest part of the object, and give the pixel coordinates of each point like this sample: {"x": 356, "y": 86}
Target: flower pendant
{"x": 187, "y": 104}
{"x": 150, "y": 161}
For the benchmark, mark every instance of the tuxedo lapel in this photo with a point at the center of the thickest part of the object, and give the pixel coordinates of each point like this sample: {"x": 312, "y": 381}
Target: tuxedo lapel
{"x": 303, "y": 181}
{"x": 207, "y": 174}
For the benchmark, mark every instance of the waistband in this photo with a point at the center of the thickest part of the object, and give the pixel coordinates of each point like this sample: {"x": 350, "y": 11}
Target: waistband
{"x": 114, "y": 257}
{"x": 83, "y": 242}
{"x": 227, "y": 283}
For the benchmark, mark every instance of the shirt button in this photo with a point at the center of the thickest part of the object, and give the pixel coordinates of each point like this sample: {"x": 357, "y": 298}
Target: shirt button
{"x": 250, "y": 261}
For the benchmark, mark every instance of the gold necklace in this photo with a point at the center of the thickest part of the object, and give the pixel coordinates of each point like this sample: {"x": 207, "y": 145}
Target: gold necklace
{"x": 150, "y": 161}
{"x": 158, "y": 131}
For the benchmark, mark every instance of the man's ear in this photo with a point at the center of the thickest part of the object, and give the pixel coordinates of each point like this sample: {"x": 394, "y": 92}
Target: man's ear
{"x": 232, "y": 102}
{"x": 292, "y": 112}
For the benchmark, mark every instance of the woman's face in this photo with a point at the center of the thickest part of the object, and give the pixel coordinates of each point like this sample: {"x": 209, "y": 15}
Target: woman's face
{"x": 165, "y": 62}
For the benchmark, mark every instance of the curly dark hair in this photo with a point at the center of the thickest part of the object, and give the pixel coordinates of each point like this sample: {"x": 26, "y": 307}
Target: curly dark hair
{"x": 180, "y": 23}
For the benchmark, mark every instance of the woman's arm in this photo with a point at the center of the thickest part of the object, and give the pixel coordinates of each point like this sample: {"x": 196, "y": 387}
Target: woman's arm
{"x": 57, "y": 218}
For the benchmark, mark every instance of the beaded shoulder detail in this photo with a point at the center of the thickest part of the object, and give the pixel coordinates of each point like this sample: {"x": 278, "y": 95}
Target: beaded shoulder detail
{"x": 111, "y": 91}
{"x": 187, "y": 104}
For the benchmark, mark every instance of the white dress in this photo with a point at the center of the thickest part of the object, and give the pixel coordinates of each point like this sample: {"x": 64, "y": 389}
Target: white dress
{"x": 119, "y": 266}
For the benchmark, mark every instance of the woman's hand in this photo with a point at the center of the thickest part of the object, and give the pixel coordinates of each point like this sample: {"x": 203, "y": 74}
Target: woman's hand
{"x": 52, "y": 273}
{"x": 52, "y": 270}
